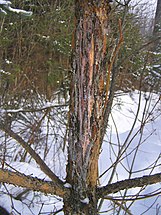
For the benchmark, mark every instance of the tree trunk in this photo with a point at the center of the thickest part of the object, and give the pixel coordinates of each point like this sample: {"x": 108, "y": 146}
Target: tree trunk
{"x": 87, "y": 101}
{"x": 156, "y": 48}
{"x": 157, "y": 26}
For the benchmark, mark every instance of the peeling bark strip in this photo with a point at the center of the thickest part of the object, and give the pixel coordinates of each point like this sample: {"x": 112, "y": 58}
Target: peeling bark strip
{"x": 87, "y": 90}
{"x": 88, "y": 72}
{"x": 32, "y": 183}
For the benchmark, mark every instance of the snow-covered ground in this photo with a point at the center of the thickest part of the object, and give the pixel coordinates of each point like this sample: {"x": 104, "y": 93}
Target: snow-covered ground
{"x": 134, "y": 134}
{"x": 136, "y": 116}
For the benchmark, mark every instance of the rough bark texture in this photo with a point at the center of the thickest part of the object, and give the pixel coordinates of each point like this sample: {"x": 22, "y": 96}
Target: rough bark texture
{"x": 157, "y": 28}
{"x": 33, "y": 183}
{"x": 156, "y": 48}
{"x": 157, "y": 23}
{"x": 129, "y": 183}
{"x": 87, "y": 95}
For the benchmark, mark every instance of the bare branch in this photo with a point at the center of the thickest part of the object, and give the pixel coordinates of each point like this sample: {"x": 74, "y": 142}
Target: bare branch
{"x": 129, "y": 183}
{"x": 36, "y": 109}
{"x": 32, "y": 183}
{"x": 33, "y": 154}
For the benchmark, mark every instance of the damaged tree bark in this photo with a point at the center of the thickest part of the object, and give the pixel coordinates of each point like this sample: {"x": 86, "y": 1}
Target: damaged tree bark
{"x": 88, "y": 95}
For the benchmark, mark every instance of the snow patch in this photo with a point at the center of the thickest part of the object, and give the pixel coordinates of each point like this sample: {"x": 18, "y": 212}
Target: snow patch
{"x": 4, "y": 72}
{"x": 85, "y": 201}
{"x": 67, "y": 185}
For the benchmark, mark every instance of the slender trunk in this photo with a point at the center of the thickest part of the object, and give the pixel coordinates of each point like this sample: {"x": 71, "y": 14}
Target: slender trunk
{"x": 157, "y": 27}
{"x": 87, "y": 100}
{"x": 157, "y": 23}
{"x": 156, "y": 48}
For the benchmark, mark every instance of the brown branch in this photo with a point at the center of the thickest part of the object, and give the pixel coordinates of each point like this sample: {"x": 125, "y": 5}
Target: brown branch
{"x": 32, "y": 183}
{"x": 33, "y": 154}
{"x": 112, "y": 60}
{"x": 128, "y": 183}
{"x": 36, "y": 109}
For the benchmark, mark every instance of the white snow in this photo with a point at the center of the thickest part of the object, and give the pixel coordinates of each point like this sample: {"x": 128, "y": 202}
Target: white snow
{"x": 14, "y": 111}
{"x": 144, "y": 145}
{"x": 19, "y": 11}
{"x": 148, "y": 141}
{"x": 6, "y": 60}
{"x": 5, "y": 2}
{"x": 67, "y": 185}
{"x": 4, "y": 72}
{"x": 85, "y": 201}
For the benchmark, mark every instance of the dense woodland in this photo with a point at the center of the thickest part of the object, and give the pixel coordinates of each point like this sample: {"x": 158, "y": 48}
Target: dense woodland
{"x": 60, "y": 70}
{"x": 46, "y": 37}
